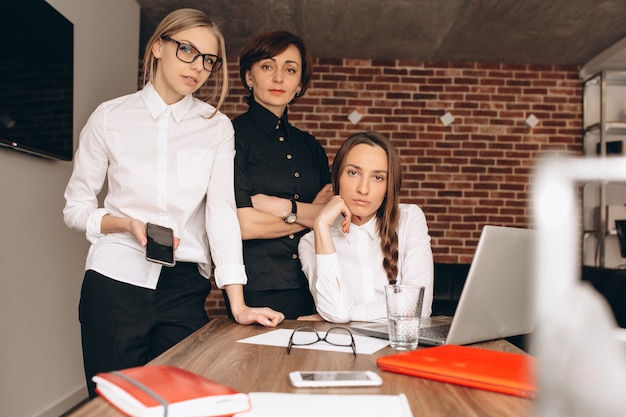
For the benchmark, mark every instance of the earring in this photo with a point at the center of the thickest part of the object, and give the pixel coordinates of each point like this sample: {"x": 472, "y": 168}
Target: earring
{"x": 250, "y": 87}
{"x": 298, "y": 93}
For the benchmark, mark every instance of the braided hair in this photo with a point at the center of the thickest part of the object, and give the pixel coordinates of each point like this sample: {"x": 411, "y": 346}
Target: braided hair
{"x": 388, "y": 212}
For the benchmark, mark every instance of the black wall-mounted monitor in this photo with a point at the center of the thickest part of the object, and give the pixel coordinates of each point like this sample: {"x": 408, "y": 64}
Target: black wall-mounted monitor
{"x": 36, "y": 79}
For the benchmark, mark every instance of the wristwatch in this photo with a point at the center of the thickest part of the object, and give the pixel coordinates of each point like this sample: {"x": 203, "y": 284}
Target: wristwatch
{"x": 291, "y": 217}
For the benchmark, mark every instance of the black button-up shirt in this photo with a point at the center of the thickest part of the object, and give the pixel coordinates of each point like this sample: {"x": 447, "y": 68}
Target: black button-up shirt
{"x": 276, "y": 159}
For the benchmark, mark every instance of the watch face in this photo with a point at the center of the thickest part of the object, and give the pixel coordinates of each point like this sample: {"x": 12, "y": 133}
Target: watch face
{"x": 291, "y": 218}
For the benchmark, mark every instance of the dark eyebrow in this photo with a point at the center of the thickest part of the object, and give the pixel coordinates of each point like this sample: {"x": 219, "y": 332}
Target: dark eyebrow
{"x": 271, "y": 58}
{"x": 378, "y": 171}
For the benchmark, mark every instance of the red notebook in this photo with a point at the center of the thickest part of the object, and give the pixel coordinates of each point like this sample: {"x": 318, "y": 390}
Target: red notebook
{"x": 503, "y": 372}
{"x": 148, "y": 390}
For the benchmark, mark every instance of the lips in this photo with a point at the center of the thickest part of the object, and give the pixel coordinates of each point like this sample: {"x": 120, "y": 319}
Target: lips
{"x": 361, "y": 203}
{"x": 190, "y": 80}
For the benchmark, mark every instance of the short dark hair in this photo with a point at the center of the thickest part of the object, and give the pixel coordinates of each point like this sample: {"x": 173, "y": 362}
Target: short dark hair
{"x": 269, "y": 44}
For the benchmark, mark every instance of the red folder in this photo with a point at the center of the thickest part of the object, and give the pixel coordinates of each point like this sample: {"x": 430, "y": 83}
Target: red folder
{"x": 148, "y": 390}
{"x": 503, "y": 372}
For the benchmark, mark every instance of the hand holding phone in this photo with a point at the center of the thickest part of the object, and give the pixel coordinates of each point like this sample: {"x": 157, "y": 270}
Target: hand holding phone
{"x": 160, "y": 246}
{"x": 334, "y": 379}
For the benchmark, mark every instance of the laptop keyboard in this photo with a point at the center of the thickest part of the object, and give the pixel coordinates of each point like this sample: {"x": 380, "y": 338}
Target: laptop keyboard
{"x": 435, "y": 332}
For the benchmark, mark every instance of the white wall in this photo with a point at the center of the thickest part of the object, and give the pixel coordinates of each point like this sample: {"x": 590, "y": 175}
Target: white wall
{"x": 41, "y": 260}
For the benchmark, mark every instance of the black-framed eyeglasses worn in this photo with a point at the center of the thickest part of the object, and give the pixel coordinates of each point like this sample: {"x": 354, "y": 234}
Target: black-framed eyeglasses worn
{"x": 336, "y": 336}
{"x": 189, "y": 54}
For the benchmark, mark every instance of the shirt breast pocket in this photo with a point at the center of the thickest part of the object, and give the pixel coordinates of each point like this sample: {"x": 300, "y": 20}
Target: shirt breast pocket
{"x": 194, "y": 168}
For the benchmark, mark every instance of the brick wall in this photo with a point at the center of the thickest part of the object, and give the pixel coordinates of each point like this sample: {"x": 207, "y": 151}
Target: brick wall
{"x": 477, "y": 170}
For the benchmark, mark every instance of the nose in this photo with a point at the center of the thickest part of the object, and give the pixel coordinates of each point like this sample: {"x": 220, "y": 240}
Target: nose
{"x": 363, "y": 186}
{"x": 278, "y": 76}
{"x": 197, "y": 64}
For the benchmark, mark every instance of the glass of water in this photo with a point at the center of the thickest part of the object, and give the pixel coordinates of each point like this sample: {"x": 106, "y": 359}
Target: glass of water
{"x": 404, "y": 309}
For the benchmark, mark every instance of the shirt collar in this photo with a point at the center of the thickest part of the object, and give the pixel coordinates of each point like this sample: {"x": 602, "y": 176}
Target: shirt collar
{"x": 266, "y": 119}
{"x": 368, "y": 228}
{"x": 157, "y": 106}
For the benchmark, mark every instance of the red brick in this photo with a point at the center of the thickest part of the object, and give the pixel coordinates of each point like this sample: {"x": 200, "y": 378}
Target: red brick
{"x": 474, "y": 172}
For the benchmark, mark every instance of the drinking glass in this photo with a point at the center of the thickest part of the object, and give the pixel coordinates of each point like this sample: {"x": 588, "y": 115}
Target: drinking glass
{"x": 404, "y": 309}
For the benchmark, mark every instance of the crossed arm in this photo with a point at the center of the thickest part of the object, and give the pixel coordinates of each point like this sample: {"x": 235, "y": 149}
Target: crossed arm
{"x": 265, "y": 220}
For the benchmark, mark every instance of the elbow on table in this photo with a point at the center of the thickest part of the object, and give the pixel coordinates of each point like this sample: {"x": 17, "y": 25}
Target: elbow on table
{"x": 335, "y": 318}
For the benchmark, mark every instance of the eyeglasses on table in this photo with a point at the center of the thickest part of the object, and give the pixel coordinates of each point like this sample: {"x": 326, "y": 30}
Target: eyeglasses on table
{"x": 336, "y": 336}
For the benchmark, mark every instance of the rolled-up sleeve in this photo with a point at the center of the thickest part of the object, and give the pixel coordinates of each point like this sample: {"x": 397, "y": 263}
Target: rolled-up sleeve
{"x": 90, "y": 168}
{"x": 222, "y": 225}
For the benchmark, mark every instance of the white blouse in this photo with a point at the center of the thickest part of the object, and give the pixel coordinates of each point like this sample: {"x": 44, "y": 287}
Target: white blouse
{"x": 348, "y": 285}
{"x": 170, "y": 165}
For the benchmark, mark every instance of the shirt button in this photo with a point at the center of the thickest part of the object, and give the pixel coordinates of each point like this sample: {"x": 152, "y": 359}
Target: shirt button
{"x": 289, "y": 156}
{"x": 281, "y": 139}
{"x": 297, "y": 175}
{"x": 296, "y": 196}
{"x": 291, "y": 237}
{"x": 277, "y": 126}
{"x": 294, "y": 256}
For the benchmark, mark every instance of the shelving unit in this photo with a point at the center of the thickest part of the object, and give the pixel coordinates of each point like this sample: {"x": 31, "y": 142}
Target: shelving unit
{"x": 604, "y": 117}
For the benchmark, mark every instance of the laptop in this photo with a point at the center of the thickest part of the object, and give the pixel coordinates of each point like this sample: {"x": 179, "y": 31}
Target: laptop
{"x": 496, "y": 300}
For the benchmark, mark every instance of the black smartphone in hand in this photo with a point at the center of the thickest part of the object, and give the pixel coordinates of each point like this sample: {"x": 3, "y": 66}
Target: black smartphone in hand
{"x": 160, "y": 246}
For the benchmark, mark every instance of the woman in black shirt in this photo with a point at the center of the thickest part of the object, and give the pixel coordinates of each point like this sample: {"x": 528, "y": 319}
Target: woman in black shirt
{"x": 282, "y": 176}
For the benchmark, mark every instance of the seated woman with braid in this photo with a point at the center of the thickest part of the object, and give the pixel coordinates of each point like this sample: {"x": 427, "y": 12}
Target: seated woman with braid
{"x": 364, "y": 238}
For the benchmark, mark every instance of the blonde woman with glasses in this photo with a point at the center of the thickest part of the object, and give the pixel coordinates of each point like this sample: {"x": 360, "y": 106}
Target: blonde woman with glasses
{"x": 167, "y": 158}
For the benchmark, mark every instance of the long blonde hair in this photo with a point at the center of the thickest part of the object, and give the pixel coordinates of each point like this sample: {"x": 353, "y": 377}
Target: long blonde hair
{"x": 177, "y": 21}
{"x": 388, "y": 212}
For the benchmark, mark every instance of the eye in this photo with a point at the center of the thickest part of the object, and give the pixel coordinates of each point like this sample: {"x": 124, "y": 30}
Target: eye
{"x": 187, "y": 49}
{"x": 209, "y": 59}
{"x": 292, "y": 70}
{"x": 352, "y": 173}
{"x": 266, "y": 66}
{"x": 379, "y": 177}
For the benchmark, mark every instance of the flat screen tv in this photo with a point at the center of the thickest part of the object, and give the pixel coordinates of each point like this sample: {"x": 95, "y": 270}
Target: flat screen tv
{"x": 36, "y": 79}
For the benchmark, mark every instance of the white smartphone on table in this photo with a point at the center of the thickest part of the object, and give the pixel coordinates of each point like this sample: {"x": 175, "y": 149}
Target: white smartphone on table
{"x": 302, "y": 379}
{"x": 160, "y": 246}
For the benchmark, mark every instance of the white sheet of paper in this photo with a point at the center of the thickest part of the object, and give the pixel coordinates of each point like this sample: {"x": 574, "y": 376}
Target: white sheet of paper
{"x": 269, "y": 404}
{"x": 280, "y": 337}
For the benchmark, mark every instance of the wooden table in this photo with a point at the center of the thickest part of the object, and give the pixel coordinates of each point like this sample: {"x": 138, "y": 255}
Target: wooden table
{"x": 213, "y": 352}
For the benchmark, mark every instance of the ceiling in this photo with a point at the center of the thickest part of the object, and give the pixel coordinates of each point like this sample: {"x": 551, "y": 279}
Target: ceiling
{"x": 540, "y": 32}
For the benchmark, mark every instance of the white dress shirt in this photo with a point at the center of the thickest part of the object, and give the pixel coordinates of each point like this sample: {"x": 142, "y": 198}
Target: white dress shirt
{"x": 169, "y": 165}
{"x": 349, "y": 285}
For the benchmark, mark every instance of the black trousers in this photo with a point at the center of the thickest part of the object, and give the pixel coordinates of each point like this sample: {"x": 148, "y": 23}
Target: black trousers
{"x": 124, "y": 326}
